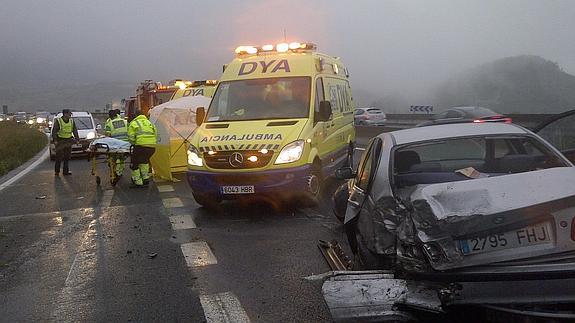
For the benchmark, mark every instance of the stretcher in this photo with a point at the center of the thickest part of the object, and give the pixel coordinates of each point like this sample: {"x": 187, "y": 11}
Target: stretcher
{"x": 111, "y": 150}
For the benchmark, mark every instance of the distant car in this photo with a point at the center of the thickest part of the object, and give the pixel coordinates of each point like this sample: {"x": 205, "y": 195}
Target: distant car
{"x": 3, "y": 117}
{"x": 461, "y": 197}
{"x": 466, "y": 114}
{"x": 21, "y": 117}
{"x": 40, "y": 119}
{"x": 87, "y": 131}
{"x": 369, "y": 117}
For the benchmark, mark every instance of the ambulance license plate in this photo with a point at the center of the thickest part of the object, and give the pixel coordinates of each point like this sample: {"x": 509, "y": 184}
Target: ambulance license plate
{"x": 242, "y": 189}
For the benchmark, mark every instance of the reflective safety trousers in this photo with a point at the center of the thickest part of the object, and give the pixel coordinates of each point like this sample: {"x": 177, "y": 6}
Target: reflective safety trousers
{"x": 141, "y": 132}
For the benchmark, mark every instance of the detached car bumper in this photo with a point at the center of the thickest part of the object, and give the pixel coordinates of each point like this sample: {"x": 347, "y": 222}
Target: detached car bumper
{"x": 282, "y": 182}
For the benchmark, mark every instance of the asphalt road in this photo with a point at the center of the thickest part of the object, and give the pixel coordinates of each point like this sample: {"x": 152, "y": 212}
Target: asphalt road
{"x": 72, "y": 251}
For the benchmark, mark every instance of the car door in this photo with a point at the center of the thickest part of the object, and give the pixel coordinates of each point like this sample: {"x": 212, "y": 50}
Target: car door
{"x": 560, "y": 132}
{"x": 360, "y": 202}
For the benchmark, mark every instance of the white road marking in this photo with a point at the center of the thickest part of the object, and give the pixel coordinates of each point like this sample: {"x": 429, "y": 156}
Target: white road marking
{"x": 107, "y": 197}
{"x": 26, "y": 170}
{"x": 172, "y": 202}
{"x": 80, "y": 278}
{"x": 198, "y": 254}
{"x": 165, "y": 188}
{"x": 223, "y": 307}
{"x": 182, "y": 222}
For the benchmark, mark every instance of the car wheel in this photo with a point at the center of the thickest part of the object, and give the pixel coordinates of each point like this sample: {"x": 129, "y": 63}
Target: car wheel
{"x": 209, "y": 201}
{"x": 365, "y": 259}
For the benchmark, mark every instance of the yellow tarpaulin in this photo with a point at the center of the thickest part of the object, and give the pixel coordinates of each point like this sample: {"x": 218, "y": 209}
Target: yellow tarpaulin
{"x": 175, "y": 121}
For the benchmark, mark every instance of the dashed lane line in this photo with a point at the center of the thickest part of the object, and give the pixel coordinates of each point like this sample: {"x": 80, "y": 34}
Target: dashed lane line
{"x": 165, "y": 188}
{"x": 182, "y": 222}
{"x": 198, "y": 254}
{"x": 223, "y": 307}
{"x": 172, "y": 202}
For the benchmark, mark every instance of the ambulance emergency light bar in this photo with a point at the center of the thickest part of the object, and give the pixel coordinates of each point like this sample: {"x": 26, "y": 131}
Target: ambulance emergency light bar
{"x": 279, "y": 48}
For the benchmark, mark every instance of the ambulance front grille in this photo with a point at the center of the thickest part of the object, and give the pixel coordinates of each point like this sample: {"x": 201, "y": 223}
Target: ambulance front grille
{"x": 237, "y": 159}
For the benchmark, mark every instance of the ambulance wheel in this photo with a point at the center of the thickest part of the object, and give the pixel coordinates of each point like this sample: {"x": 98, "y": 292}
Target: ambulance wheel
{"x": 209, "y": 201}
{"x": 98, "y": 180}
{"x": 314, "y": 183}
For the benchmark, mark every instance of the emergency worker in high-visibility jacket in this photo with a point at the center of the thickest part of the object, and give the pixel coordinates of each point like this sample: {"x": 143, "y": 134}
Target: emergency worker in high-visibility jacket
{"x": 116, "y": 127}
{"x": 143, "y": 136}
{"x": 64, "y": 135}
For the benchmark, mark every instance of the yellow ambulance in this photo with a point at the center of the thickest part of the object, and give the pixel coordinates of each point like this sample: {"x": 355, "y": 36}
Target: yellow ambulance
{"x": 279, "y": 123}
{"x": 195, "y": 88}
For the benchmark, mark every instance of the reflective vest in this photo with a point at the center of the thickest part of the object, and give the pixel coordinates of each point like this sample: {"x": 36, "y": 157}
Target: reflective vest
{"x": 66, "y": 128}
{"x": 141, "y": 132}
{"x": 117, "y": 128}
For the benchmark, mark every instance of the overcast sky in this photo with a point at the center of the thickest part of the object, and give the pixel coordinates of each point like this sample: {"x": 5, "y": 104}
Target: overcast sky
{"x": 389, "y": 46}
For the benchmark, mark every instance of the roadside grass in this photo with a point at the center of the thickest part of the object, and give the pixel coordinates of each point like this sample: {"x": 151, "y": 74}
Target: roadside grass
{"x": 18, "y": 143}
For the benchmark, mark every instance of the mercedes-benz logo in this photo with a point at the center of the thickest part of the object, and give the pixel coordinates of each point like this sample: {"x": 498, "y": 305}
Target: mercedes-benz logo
{"x": 236, "y": 160}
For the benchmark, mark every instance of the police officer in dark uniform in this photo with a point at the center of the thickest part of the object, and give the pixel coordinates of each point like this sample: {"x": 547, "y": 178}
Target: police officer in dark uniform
{"x": 64, "y": 135}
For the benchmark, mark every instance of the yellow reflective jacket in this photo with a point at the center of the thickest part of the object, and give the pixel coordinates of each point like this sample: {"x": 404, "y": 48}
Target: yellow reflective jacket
{"x": 141, "y": 132}
{"x": 117, "y": 128}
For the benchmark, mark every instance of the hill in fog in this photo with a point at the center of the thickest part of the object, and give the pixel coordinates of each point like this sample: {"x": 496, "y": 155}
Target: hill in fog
{"x": 520, "y": 84}
{"x": 54, "y": 97}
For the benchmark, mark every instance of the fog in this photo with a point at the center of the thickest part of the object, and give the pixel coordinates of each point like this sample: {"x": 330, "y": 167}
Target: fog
{"x": 392, "y": 48}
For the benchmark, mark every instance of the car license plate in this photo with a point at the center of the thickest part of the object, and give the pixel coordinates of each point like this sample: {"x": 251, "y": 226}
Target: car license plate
{"x": 77, "y": 146}
{"x": 242, "y": 189}
{"x": 528, "y": 236}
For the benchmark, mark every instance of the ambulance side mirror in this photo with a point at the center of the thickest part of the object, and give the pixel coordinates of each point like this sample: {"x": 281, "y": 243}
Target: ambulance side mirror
{"x": 200, "y": 115}
{"x": 324, "y": 111}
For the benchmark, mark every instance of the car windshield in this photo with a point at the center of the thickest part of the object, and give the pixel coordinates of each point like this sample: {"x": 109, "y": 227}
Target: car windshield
{"x": 374, "y": 111}
{"x": 466, "y": 158}
{"x": 83, "y": 123}
{"x": 270, "y": 98}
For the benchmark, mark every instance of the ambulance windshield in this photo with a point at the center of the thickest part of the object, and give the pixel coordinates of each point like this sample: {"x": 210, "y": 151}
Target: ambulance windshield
{"x": 260, "y": 99}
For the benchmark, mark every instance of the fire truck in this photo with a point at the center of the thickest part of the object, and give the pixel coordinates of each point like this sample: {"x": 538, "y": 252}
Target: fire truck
{"x": 149, "y": 94}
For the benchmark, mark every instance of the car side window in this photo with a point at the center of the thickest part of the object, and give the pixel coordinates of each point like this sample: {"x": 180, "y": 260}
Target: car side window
{"x": 560, "y": 133}
{"x": 453, "y": 114}
{"x": 358, "y": 112}
{"x": 441, "y": 115}
{"x": 367, "y": 165}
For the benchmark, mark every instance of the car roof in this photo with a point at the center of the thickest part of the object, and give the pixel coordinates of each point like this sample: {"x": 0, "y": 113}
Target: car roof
{"x": 76, "y": 114}
{"x": 448, "y": 131}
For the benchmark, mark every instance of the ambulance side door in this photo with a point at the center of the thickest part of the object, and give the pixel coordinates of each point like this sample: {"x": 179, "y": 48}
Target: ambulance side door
{"x": 335, "y": 92}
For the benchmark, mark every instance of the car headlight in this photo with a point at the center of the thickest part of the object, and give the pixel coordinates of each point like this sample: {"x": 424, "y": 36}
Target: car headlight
{"x": 50, "y": 123}
{"x": 30, "y": 121}
{"x": 91, "y": 135}
{"x": 1, "y": 119}
{"x": 194, "y": 158}
{"x": 290, "y": 153}
{"x": 40, "y": 120}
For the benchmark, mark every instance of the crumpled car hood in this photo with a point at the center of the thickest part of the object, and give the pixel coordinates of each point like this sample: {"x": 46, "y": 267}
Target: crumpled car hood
{"x": 443, "y": 213}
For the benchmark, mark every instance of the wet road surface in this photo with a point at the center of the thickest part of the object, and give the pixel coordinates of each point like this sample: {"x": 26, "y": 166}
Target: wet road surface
{"x": 72, "y": 251}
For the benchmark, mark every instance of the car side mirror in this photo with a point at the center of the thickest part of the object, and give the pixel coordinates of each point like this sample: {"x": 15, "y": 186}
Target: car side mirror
{"x": 345, "y": 173}
{"x": 200, "y": 115}
{"x": 98, "y": 127}
{"x": 324, "y": 111}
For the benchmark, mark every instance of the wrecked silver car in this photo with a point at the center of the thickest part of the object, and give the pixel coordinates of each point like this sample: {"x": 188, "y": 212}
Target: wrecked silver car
{"x": 451, "y": 197}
